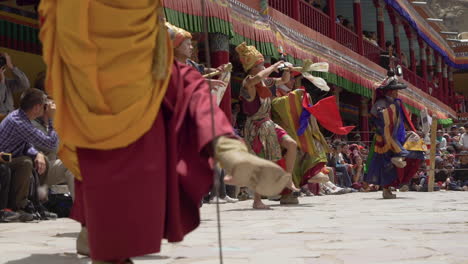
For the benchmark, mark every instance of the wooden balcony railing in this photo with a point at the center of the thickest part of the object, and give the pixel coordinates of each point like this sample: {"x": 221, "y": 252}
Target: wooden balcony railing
{"x": 372, "y": 52}
{"x": 283, "y": 6}
{"x": 421, "y": 83}
{"x": 415, "y": 79}
{"x": 347, "y": 38}
{"x": 314, "y": 18}
{"x": 409, "y": 75}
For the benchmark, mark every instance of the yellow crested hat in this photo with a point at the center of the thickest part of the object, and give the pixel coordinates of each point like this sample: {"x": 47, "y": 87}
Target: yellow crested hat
{"x": 178, "y": 35}
{"x": 249, "y": 56}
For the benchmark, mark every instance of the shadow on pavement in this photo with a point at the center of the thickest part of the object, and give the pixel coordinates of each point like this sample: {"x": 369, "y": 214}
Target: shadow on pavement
{"x": 71, "y": 234}
{"x": 271, "y": 206}
{"x": 51, "y": 259}
{"x": 68, "y": 259}
{"x": 244, "y": 209}
{"x": 293, "y": 205}
{"x": 152, "y": 257}
{"x": 398, "y": 198}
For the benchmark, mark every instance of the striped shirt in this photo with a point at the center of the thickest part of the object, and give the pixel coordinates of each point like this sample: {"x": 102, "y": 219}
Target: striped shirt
{"x": 19, "y": 136}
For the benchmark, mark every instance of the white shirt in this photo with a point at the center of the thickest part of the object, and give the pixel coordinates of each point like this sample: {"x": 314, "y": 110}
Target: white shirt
{"x": 464, "y": 141}
{"x": 443, "y": 144}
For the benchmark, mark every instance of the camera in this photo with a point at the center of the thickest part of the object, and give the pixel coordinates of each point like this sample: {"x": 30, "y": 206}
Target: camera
{"x": 6, "y": 157}
{"x": 46, "y": 103}
{"x": 3, "y": 61}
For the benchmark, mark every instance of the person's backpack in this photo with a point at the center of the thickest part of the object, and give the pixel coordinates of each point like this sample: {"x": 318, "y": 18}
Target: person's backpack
{"x": 36, "y": 207}
{"x": 59, "y": 203}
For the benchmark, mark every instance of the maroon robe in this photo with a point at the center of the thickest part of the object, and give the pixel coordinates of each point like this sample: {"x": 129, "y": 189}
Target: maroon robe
{"x": 131, "y": 198}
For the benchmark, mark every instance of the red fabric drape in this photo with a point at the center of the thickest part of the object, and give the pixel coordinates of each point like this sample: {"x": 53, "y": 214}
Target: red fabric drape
{"x": 327, "y": 114}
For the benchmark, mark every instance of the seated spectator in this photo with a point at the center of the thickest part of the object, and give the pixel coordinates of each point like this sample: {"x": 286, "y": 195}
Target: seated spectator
{"x": 385, "y": 56}
{"x": 357, "y": 139}
{"x": 347, "y": 24}
{"x": 459, "y": 181}
{"x": 463, "y": 142}
{"x": 357, "y": 162}
{"x": 451, "y": 159}
{"x": 5, "y": 178}
{"x": 18, "y": 136}
{"x": 58, "y": 174}
{"x": 403, "y": 59}
{"x": 373, "y": 38}
{"x": 441, "y": 140}
{"x": 315, "y": 4}
{"x": 339, "y": 19}
{"x": 441, "y": 173}
{"x": 343, "y": 156}
{"x": 454, "y": 135}
{"x": 447, "y": 138}
{"x": 9, "y": 87}
{"x": 451, "y": 150}
{"x": 39, "y": 81}
{"x": 366, "y": 35}
{"x": 342, "y": 174}
{"x": 419, "y": 183}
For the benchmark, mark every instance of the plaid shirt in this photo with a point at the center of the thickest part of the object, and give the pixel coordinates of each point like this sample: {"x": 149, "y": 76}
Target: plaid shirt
{"x": 18, "y": 136}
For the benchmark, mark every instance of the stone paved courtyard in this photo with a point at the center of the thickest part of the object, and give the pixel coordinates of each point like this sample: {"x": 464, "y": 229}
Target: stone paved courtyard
{"x": 429, "y": 228}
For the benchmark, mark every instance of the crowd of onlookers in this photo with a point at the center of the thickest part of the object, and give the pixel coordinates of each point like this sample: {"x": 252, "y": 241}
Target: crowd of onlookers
{"x": 33, "y": 180}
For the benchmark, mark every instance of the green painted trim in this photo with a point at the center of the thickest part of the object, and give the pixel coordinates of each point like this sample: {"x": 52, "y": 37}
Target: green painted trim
{"x": 266, "y": 48}
{"x": 345, "y": 83}
{"x": 195, "y": 23}
{"x": 216, "y": 25}
{"x": 413, "y": 109}
{"x": 19, "y": 32}
{"x": 445, "y": 122}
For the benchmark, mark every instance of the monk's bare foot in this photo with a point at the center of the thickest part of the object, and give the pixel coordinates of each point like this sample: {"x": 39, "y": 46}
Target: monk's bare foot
{"x": 293, "y": 187}
{"x": 259, "y": 205}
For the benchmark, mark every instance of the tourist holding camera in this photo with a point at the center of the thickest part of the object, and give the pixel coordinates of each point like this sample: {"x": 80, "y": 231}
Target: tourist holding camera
{"x": 22, "y": 139}
{"x": 10, "y": 86}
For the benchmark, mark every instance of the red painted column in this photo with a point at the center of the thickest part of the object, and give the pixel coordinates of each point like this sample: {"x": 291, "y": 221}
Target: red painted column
{"x": 380, "y": 23}
{"x": 295, "y": 9}
{"x": 396, "y": 38}
{"x": 411, "y": 41}
{"x": 219, "y": 47}
{"x": 430, "y": 63}
{"x": 357, "y": 11}
{"x": 332, "y": 14}
{"x": 364, "y": 120}
{"x": 451, "y": 86}
{"x": 438, "y": 77}
{"x": 445, "y": 95}
{"x": 423, "y": 56}
{"x": 396, "y": 30}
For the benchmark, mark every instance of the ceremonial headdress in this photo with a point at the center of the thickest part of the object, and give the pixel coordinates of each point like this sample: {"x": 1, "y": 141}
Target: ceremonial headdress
{"x": 249, "y": 56}
{"x": 178, "y": 35}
